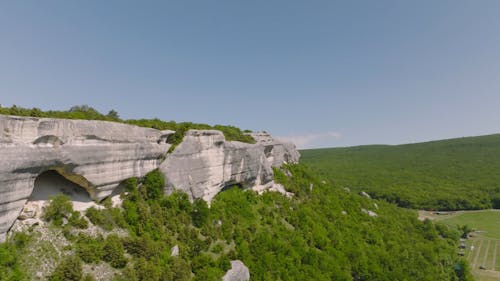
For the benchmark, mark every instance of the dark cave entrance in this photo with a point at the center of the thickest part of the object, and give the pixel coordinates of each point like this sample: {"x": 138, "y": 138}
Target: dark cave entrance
{"x": 51, "y": 183}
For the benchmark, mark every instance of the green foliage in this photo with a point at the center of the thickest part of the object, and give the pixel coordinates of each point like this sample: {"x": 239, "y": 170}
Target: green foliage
{"x": 70, "y": 269}
{"x": 321, "y": 233}
{"x": 463, "y": 271}
{"x": 10, "y": 268}
{"x": 60, "y": 207}
{"x": 76, "y": 112}
{"x": 108, "y": 218}
{"x": 200, "y": 212}
{"x": 465, "y": 229}
{"x": 310, "y": 238}
{"x": 180, "y": 269}
{"x": 456, "y": 174}
{"x": 153, "y": 185}
{"x": 97, "y": 217}
{"x": 231, "y": 133}
{"x": 113, "y": 251}
{"x": 88, "y": 277}
{"x": 77, "y": 220}
{"x": 86, "y": 112}
{"x": 89, "y": 249}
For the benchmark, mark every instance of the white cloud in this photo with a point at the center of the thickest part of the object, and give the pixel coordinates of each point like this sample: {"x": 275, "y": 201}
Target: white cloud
{"x": 308, "y": 140}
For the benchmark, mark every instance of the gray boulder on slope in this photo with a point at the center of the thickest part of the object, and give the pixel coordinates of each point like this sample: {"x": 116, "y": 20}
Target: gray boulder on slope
{"x": 238, "y": 272}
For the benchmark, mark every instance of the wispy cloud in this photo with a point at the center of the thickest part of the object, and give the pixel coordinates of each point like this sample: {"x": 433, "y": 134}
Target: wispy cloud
{"x": 309, "y": 140}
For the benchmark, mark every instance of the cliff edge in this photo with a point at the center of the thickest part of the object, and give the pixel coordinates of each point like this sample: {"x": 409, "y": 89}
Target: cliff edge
{"x": 99, "y": 155}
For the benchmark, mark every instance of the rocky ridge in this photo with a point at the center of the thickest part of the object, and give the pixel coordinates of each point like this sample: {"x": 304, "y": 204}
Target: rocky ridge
{"x": 99, "y": 155}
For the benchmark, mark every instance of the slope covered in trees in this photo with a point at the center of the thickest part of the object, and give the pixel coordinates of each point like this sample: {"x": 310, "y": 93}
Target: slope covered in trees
{"x": 451, "y": 174}
{"x": 323, "y": 232}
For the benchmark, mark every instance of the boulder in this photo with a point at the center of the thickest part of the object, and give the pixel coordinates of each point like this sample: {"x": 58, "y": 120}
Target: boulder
{"x": 369, "y": 212}
{"x": 174, "y": 252}
{"x": 238, "y": 272}
{"x": 364, "y": 194}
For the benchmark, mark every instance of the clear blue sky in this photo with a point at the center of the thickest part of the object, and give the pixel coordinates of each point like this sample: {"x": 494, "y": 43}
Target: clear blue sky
{"x": 323, "y": 73}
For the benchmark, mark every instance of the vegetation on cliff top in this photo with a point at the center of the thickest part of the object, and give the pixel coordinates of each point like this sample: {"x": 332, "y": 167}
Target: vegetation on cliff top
{"x": 455, "y": 174}
{"x": 86, "y": 112}
{"x": 321, "y": 233}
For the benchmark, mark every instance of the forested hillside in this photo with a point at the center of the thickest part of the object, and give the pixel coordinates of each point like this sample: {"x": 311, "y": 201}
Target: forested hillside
{"x": 451, "y": 174}
{"x": 323, "y": 232}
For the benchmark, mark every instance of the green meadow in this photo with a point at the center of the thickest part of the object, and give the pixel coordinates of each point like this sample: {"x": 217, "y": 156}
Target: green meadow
{"x": 483, "y": 247}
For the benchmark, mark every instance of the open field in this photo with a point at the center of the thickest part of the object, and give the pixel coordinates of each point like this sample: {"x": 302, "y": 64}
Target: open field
{"x": 483, "y": 248}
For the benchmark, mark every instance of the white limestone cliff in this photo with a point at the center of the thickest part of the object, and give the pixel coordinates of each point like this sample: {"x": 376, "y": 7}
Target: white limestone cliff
{"x": 99, "y": 155}
{"x": 205, "y": 163}
{"x": 96, "y": 155}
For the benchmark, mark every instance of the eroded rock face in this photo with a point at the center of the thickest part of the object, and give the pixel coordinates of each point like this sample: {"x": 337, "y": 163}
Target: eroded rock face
{"x": 99, "y": 155}
{"x": 96, "y": 155}
{"x": 238, "y": 272}
{"x": 205, "y": 163}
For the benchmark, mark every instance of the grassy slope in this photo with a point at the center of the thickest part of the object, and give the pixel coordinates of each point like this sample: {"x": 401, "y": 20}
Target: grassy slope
{"x": 486, "y": 241}
{"x": 459, "y": 173}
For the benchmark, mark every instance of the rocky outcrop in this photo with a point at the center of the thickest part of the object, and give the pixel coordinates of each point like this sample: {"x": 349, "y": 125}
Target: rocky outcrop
{"x": 205, "y": 163}
{"x": 238, "y": 272}
{"x": 96, "y": 155}
{"x": 99, "y": 155}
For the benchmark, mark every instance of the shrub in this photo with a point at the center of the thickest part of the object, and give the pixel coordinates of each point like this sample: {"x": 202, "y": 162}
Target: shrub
{"x": 147, "y": 271}
{"x": 70, "y": 269}
{"x": 106, "y": 218}
{"x": 9, "y": 263}
{"x": 153, "y": 185}
{"x": 180, "y": 269}
{"x": 95, "y": 216}
{"x": 113, "y": 252}
{"x": 200, "y": 212}
{"x": 77, "y": 220}
{"x": 60, "y": 207}
{"x": 88, "y": 277}
{"x": 89, "y": 249}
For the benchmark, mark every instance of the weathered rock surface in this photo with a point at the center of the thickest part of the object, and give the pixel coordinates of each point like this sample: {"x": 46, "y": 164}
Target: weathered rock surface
{"x": 97, "y": 155}
{"x": 238, "y": 272}
{"x": 174, "y": 252}
{"x": 205, "y": 163}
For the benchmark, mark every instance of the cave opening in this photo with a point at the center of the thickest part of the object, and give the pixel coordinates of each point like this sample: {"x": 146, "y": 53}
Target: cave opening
{"x": 51, "y": 183}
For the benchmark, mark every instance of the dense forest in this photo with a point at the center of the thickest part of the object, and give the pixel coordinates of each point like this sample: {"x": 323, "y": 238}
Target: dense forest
{"x": 324, "y": 232}
{"x": 451, "y": 174}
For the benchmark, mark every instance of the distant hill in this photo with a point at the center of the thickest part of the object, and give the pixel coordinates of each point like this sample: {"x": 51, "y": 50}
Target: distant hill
{"x": 462, "y": 173}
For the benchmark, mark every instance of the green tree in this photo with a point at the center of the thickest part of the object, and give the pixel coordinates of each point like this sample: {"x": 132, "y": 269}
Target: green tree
{"x": 113, "y": 114}
{"x": 153, "y": 185}
{"x": 200, "y": 212}
{"x": 88, "y": 249}
{"x": 59, "y": 207}
{"x": 180, "y": 269}
{"x": 113, "y": 251}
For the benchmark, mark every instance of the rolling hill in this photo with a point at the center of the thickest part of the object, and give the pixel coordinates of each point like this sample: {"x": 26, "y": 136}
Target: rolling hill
{"x": 453, "y": 174}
